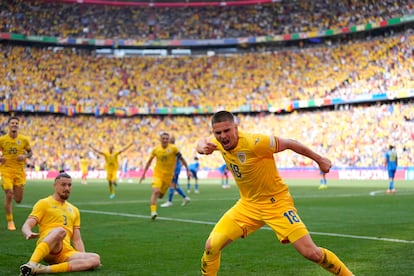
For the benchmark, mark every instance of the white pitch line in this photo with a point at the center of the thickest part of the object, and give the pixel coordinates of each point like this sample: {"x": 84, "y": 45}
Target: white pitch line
{"x": 373, "y": 193}
{"x": 265, "y": 228}
{"x": 213, "y": 223}
{"x": 146, "y": 217}
{"x": 361, "y": 237}
{"x": 320, "y": 195}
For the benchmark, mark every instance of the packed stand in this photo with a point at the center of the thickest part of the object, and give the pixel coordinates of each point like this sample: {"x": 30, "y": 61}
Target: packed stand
{"x": 148, "y": 23}
{"x": 352, "y": 136}
{"x": 68, "y": 77}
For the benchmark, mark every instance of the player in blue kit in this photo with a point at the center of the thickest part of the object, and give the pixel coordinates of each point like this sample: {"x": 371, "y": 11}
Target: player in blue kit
{"x": 391, "y": 163}
{"x": 224, "y": 173}
{"x": 193, "y": 168}
{"x": 323, "y": 183}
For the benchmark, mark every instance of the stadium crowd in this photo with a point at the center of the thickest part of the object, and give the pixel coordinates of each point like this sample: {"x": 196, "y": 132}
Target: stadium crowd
{"x": 351, "y": 136}
{"x": 47, "y": 76}
{"x": 147, "y": 23}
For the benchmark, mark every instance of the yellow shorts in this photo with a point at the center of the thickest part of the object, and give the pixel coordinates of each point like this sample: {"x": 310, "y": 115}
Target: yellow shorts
{"x": 11, "y": 179}
{"x": 246, "y": 217}
{"x": 162, "y": 183}
{"x": 66, "y": 252}
{"x": 111, "y": 175}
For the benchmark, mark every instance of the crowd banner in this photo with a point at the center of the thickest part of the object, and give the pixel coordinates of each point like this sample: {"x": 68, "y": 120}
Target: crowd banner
{"x": 289, "y": 106}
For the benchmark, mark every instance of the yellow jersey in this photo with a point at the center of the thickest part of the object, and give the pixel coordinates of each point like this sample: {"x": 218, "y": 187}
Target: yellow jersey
{"x": 165, "y": 160}
{"x": 83, "y": 164}
{"x": 111, "y": 160}
{"x": 51, "y": 213}
{"x": 254, "y": 168}
{"x": 11, "y": 148}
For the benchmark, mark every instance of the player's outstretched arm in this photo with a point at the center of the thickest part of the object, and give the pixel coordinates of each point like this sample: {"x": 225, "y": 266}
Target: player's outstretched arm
{"x": 127, "y": 147}
{"x": 94, "y": 149}
{"x": 291, "y": 144}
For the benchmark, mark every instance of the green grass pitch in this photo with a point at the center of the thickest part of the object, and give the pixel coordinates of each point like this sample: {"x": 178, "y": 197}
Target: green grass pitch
{"x": 373, "y": 233}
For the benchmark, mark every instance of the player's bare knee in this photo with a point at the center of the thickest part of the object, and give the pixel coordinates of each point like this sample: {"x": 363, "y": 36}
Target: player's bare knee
{"x": 9, "y": 194}
{"x": 210, "y": 249}
{"x": 18, "y": 198}
{"x": 95, "y": 260}
{"x": 156, "y": 192}
{"x": 59, "y": 233}
{"x": 208, "y": 245}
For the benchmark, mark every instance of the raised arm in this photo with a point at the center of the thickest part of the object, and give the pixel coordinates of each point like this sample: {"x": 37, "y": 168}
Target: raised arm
{"x": 95, "y": 150}
{"x": 127, "y": 147}
{"x": 284, "y": 144}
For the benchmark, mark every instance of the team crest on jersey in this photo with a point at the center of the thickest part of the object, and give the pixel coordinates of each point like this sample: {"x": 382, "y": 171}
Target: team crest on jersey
{"x": 18, "y": 142}
{"x": 242, "y": 157}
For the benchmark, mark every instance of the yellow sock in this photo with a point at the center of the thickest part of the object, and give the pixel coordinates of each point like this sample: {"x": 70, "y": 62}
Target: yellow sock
{"x": 62, "y": 267}
{"x": 332, "y": 263}
{"x": 9, "y": 217}
{"x": 153, "y": 208}
{"x": 210, "y": 264}
{"x": 41, "y": 251}
{"x": 111, "y": 189}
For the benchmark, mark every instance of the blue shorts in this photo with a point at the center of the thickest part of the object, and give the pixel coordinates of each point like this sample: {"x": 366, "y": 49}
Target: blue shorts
{"x": 391, "y": 173}
{"x": 194, "y": 173}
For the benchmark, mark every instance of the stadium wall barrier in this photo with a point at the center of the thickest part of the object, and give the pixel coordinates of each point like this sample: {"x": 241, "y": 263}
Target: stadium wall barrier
{"x": 285, "y": 105}
{"x": 301, "y": 173}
